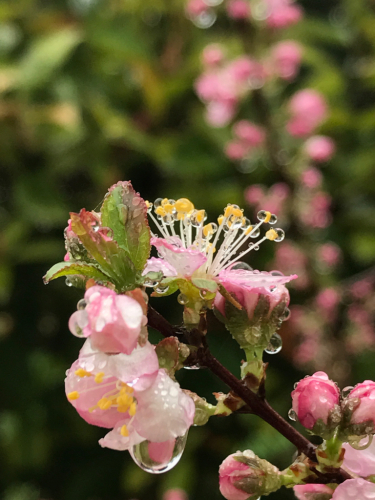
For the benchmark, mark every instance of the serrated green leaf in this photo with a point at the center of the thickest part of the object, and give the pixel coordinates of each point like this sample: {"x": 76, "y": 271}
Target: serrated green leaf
{"x": 69, "y": 268}
{"x": 125, "y": 212}
{"x": 113, "y": 260}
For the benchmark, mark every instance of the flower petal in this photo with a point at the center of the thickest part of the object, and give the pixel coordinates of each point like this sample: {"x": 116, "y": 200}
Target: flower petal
{"x": 184, "y": 260}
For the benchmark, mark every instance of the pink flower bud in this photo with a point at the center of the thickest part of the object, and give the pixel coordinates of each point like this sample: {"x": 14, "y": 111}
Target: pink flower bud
{"x": 365, "y": 411}
{"x": 238, "y": 9}
{"x": 212, "y": 55}
{"x": 308, "y": 109}
{"x": 357, "y": 489}
{"x": 244, "y": 475}
{"x": 313, "y": 492}
{"x": 249, "y": 133}
{"x": 112, "y": 321}
{"x": 320, "y": 148}
{"x": 314, "y": 398}
{"x": 287, "y": 59}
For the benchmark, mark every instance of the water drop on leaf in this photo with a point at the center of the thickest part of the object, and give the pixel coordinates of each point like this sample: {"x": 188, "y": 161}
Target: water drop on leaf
{"x": 275, "y": 344}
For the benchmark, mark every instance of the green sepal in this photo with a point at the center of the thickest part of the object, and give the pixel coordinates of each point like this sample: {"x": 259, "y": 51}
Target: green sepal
{"x": 171, "y": 282}
{"x": 112, "y": 260}
{"x": 74, "y": 268}
{"x": 204, "y": 284}
{"x": 125, "y": 212}
{"x": 171, "y": 354}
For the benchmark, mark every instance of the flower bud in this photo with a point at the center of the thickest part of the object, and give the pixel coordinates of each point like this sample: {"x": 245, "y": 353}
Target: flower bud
{"x": 313, "y": 492}
{"x": 244, "y": 476}
{"x": 359, "y": 409}
{"x": 315, "y": 402}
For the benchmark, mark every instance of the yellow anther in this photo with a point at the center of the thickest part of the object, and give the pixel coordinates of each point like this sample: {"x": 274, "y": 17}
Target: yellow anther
{"x": 164, "y": 202}
{"x": 148, "y": 204}
{"x": 82, "y": 373}
{"x": 248, "y": 230}
{"x": 220, "y": 219}
{"x": 200, "y": 216}
{"x": 208, "y": 229}
{"x": 122, "y": 409}
{"x": 228, "y": 211}
{"x": 124, "y": 400}
{"x": 271, "y": 234}
{"x": 268, "y": 217}
{"x": 160, "y": 211}
{"x": 132, "y": 409}
{"x": 104, "y": 403}
{"x": 168, "y": 208}
{"x": 73, "y": 395}
{"x": 126, "y": 389}
{"x": 237, "y": 212}
{"x": 184, "y": 205}
{"x": 99, "y": 377}
{"x": 124, "y": 431}
{"x": 209, "y": 246}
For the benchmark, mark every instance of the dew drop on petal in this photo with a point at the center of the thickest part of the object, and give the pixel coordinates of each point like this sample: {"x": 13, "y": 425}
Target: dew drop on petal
{"x": 346, "y": 391}
{"x": 292, "y": 415}
{"x": 81, "y": 304}
{"x": 162, "y": 289}
{"x": 276, "y": 273}
{"x": 241, "y": 265}
{"x": 275, "y": 344}
{"x": 286, "y": 314}
{"x": 157, "y": 458}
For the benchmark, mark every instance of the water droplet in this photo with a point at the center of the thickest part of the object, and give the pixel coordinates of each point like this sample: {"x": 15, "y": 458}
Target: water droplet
{"x": 157, "y": 458}
{"x": 346, "y": 391}
{"x": 151, "y": 281}
{"x": 241, "y": 265}
{"x": 256, "y": 248}
{"x": 295, "y": 385}
{"x": 359, "y": 443}
{"x": 275, "y": 344}
{"x": 273, "y": 219}
{"x": 193, "y": 367}
{"x": 280, "y": 235}
{"x": 286, "y": 314}
{"x": 157, "y": 202}
{"x": 182, "y": 299}
{"x": 262, "y": 215}
{"x": 161, "y": 288}
{"x": 202, "y": 294}
{"x": 255, "y": 233}
{"x": 68, "y": 282}
{"x": 276, "y": 273}
{"x": 81, "y": 304}
{"x": 292, "y": 415}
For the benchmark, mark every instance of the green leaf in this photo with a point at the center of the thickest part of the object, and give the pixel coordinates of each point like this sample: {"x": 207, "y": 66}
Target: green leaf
{"x": 69, "y": 268}
{"x": 205, "y": 284}
{"x": 125, "y": 212}
{"x": 113, "y": 260}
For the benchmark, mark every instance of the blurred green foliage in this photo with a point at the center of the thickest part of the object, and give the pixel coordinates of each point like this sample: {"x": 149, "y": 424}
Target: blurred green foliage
{"x": 95, "y": 91}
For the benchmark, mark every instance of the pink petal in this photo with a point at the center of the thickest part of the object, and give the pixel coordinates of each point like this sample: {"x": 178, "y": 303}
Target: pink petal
{"x": 184, "y": 260}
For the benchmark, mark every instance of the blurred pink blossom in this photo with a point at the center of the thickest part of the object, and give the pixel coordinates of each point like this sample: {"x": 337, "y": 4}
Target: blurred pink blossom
{"x": 175, "y": 494}
{"x": 288, "y": 258}
{"x": 286, "y": 59}
{"x": 238, "y": 9}
{"x": 282, "y": 13}
{"x": 273, "y": 200}
{"x": 250, "y": 133}
{"x": 361, "y": 288}
{"x": 327, "y": 301}
{"x": 320, "y": 148}
{"x": 311, "y": 178}
{"x": 308, "y": 110}
{"x": 196, "y": 7}
{"x": 236, "y": 150}
{"x": 315, "y": 212}
{"x": 213, "y": 55}
{"x": 329, "y": 254}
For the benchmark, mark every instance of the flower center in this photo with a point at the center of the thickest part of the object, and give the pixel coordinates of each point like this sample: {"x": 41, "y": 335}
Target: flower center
{"x": 180, "y": 219}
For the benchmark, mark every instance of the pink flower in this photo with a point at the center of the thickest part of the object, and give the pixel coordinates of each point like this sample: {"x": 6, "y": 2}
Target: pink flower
{"x": 320, "y": 148}
{"x": 112, "y": 321}
{"x": 314, "y": 398}
{"x": 212, "y": 55}
{"x": 238, "y": 9}
{"x": 130, "y": 394}
{"x": 366, "y": 410}
{"x": 282, "y": 13}
{"x": 308, "y": 110}
{"x": 196, "y": 7}
{"x": 360, "y": 462}
{"x": 329, "y": 254}
{"x": 327, "y": 301}
{"x": 311, "y": 178}
{"x": 249, "y": 133}
{"x": 254, "y": 194}
{"x": 312, "y": 491}
{"x": 286, "y": 58}
{"x": 230, "y": 471}
{"x": 236, "y": 150}
{"x": 219, "y": 113}
{"x": 354, "y": 489}
{"x": 248, "y": 286}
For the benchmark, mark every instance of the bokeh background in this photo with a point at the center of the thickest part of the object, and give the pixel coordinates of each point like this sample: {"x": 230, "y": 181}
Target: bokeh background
{"x": 96, "y": 91}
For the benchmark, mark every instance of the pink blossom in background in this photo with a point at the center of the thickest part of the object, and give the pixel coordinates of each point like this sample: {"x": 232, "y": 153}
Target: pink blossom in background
{"x": 308, "y": 110}
{"x": 236, "y": 150}
{"x": 329, "y": 254}
{"x": 354, "y": 489}
{"x": 307, "y": 351}
{"x": 307, "y": 491}
{"x": 273, "y": 200}
{"x": 213, "y": 55}
{"x": 230, "y": 471}
{"x": 289, "y": 258}
{"x": 320, "y": 148}
{"x": 327, "y": 301}
{"x": 254, "y": 194}
{"x": 315, "y": 212}
{"x": 361, "y": 288}
{"x": 360, "y": 462}
{"x": 175, "y": 494}
{"x": 251, "y": 134}
{"x": 112, "y": 321}
{"x": 366, "y": 409}
{"x": 311, "y": 178}
{"x": 361, "y": 331}
{"x": 219, "y": 114}
{"x": 282, "y": 13}
{"x": 238, "y": 9}
{"x": 314, "y": 398}
{"x": 196, "y": 7}
{"x": 286, "y": 59}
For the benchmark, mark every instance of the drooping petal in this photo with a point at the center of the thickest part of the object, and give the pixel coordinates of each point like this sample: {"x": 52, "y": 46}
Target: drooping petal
{"x": 184, "y": 260}
{"x": 116, "y": 441}
{"x": 156, "y": 265}
{"x": 164, "y": 411}
{"x": 254, "y": 279}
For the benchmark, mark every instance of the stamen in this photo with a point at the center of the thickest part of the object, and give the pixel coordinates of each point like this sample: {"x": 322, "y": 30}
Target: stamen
{"x": 73, "y": 395}
{"x": 124, "y": 431}
{"x": 99, "y": 377}
{"x": 82, "y": 373}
